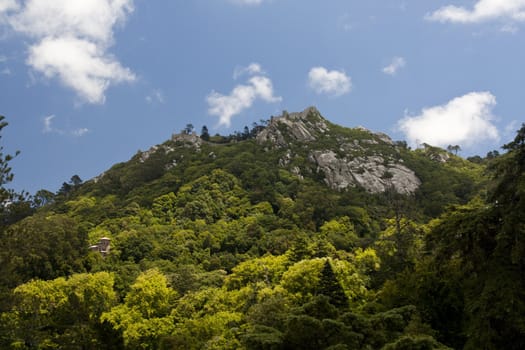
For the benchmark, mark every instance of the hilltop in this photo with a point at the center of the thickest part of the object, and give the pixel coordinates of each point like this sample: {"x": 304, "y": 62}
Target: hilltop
{"x": 304, "y": 147}
{"x": 297, "y": 233}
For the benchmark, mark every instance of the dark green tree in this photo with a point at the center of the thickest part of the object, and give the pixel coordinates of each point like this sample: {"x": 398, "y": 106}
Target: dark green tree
{"x": 75, "y": 181}
{"x": 455, "y": 149}
{"x": 188, "y": 129}
{"x": 509, "y": 172}
{"x": 330, "y": 286}
{"x": 65, "y": 189}
{"x": 492, "y": 154}
{"x": 68, "y": 187}
{"x": 7, "y": 196}
{"x": 42, "y": 198}
{"x": 205, "y": 135}
{"x": 482, "y": 244}
{"x": 246, "y": 133}
{"x": 6, "y": 175}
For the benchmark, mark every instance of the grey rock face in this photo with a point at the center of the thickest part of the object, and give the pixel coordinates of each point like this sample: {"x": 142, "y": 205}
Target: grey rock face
{"x": 355, "y": 163}
{"x": 146, "y": 154}
{"x": 371, "y": 173}
{"x": 442, "y": 157}
{"x": 385, "y": 138}
{"x": 304, "y": 126}
{"x": 184, "y": 140}
{"x": 188, "y": 140}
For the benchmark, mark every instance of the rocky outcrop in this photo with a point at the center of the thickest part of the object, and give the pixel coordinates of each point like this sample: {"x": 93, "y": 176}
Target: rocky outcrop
{"x": 372, "y": 173}
{"x": 187, "y": 140}
{"x": 352, "y": 161}
{"x": 307, "y": 143}
{"x": 179, "y": 140}
{"x": 305, "y": 126}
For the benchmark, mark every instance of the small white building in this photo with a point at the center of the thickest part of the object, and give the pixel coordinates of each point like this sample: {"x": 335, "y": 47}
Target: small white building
{"x": 102, "y": 246}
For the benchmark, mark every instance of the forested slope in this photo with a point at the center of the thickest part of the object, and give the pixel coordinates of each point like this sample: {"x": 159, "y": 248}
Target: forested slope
{"x": 296, "y": 234}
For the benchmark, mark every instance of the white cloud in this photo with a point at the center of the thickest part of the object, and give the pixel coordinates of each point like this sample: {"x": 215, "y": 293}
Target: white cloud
{"x": 72, "y": 38}
{"x": 251, "y": 69}
{"x": 465, "y": 120}
{"x": 93, "y": 19}
{"x": 263, "y": 88}
{"x": 5, "y": 71}
{"x": 329, "y": 82}
{"x": 240, "y": 98}
{"x": 483, "y": 10}
{"x": 78, "y": 64}
{"x": 80, "y": 132}
{"x": 48, "y": 124}
{"x": 8, "y": 5}
{"x": 396, "y": 64}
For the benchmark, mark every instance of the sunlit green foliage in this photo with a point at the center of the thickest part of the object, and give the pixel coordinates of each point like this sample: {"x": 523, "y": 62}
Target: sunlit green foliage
{"x": 221, "y": 246}
{"x": 145, "y": 314}
{"x": 61, "y": 312}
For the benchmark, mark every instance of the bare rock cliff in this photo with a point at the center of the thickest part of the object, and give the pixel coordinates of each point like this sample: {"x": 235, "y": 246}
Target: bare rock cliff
{"x": 346, "y": 157}
{"x": 374, "y": 173}
{"x": 305, "y": 126}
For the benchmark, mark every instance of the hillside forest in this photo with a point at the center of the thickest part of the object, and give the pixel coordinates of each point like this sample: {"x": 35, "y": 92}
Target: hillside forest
{"x": 240, "y": 242}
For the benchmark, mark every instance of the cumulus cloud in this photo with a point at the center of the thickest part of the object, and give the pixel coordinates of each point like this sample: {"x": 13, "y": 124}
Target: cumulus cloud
{"x": 241, "y": 97}
{"x": 251, "y": 69}
{"x": 483, "y": 10}
{"x": 79, "y": 64}
{"x": 465, "y": 120}
{"x": 332, "y": 82}
{"x": 8, "y": 5}
{"x": 71, "y": 41}
{"x": 396, "y": 64}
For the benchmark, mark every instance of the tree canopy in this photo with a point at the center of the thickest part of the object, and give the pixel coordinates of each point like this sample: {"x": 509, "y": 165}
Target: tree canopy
{"x": 217, "y": 245}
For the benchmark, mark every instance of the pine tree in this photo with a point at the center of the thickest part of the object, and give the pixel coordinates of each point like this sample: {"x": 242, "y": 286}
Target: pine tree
{"x": 13, "y": 206}
{"x": 205, "y": 135}
{"x": 330, "y": 286}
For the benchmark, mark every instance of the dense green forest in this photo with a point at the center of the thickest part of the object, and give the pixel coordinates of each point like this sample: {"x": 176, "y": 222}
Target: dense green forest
{"x": 240, "y": 242}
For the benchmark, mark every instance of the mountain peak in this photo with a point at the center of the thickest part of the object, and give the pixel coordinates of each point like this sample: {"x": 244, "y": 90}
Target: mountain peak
{"x": 305, "y": 144}
{"x": 305, "y": 126}
{"x": 346, "y": 157}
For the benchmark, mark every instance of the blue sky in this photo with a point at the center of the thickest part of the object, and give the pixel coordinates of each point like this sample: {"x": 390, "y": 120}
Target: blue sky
{"x": 87, "y": 83}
